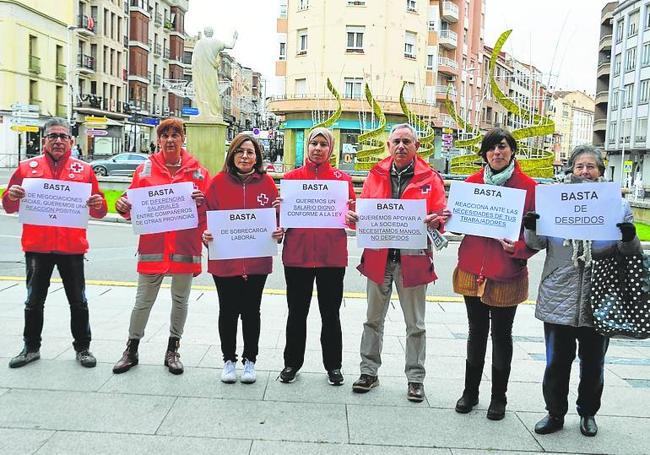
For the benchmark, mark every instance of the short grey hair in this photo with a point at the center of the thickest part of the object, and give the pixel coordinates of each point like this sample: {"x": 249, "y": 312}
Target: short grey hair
{"x": 399, "y": 126}
{"x": 585, "y": 149}
{"x": 56, "y": 121}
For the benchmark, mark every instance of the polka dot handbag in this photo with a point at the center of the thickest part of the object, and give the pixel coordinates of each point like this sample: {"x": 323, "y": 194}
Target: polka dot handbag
{"x": 620, "y": 295}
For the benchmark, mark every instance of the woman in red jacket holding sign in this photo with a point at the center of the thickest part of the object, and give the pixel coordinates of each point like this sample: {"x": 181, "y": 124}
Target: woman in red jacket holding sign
{"x": 320, "y": 255}
{"x": 242, "y": 184}
{"x": 175, "y": 253}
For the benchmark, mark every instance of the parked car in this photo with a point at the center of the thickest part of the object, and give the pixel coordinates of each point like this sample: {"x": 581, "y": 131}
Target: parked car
{"x": 120, "y": 164}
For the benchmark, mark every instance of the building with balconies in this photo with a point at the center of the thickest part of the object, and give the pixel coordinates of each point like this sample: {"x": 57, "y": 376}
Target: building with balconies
{"x": 33, "y": 71}
{"x": 573, "y": 114}
{"x": 603, "y": 73}
{"x": 423, "y": 46}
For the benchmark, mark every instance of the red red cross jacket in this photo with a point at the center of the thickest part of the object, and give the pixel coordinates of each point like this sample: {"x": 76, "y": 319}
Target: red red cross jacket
{"x": 317, "y": 247}
{"x": 52, "y": 239}
{"x": 417, "y": 265}
{"x": 176, "y": 251}
{"x": 228, "y": 192}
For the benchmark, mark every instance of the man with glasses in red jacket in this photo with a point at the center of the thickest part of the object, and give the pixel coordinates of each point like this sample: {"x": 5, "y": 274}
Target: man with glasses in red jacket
{"x": 49, "y": 246}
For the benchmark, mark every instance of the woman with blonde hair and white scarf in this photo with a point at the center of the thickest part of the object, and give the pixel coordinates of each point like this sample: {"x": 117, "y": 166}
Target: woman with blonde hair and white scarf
{"x": 564, "y": 307}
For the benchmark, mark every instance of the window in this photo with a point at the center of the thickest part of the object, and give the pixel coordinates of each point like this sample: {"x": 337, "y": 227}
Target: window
{"x": 645, "y": 55}
{"x": 430, "y": 61}
{"x": 644, "y": 91}
{"x": 354, "y": 39}
{"x": 630, "y": 59}
{"x": 409, "y": 91}
{"x": 619, "y": 31}
{"x": 617, "y": 64}
{"x": 612, "y": 132}
{"x": 628, "y": 95}
{"x": 283, "y": 51}
{"x": 410, "y": 39}
{"x": 626, "y": 127}
{"x": 614, "y": 99}
{"x": 302, "y": 41}
{"x": 303, "y": 5}
{"x": 283, "y": 11}
{"x": 411, "y": 6}
{"x": 633, "y": 24}
{"x": 641, "y": 129}
{"x": 353, "y": 87}
{"x": 647, "y": 16}
{"x": 301, "y": 87}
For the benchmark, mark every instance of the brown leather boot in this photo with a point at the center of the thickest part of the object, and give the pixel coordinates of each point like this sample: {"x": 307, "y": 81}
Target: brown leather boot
{"x": 172, "y": 357}
{"x": 129, "y": 357}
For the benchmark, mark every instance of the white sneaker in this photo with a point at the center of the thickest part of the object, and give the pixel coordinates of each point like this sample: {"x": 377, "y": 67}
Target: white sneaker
{"x": 248, "y": 376}
{"x": 229, "y": 373}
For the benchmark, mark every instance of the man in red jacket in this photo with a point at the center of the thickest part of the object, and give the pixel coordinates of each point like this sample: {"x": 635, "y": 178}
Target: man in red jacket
{"x": 403, "y": 175}
{"x": 47, "y": 246}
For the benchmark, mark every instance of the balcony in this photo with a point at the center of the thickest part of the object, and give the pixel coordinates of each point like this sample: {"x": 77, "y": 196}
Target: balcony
{"x": 61, "y": 71}
{"x": 158, "y": 19}
{"x": 61, "y": 110}
{"x": 141, "y": 6}
{"x": 602, "y": 96}
{"x": 605, "y": 42}
{"x": 447, "y": 66}
{"x": 600, "y": 124}
{"x": 166, "y": 54}
{"x": 441, "y": 92}
{"x": 126, "y": 7}
{"x": 86, "y": 64}
{"x": 448, "y": 39}
{"x": 169, "y": 25}
{"x": 86, "y": 25}
{"x": 157, "y": 50}
{"x": 140, "y": 106}
{"x": 603, "y": 68}
{"x": 157, "y": 80}
{"x": 126, "y": 40}
{"x": 449, "y": 11}
{"x": 34, "y": 64}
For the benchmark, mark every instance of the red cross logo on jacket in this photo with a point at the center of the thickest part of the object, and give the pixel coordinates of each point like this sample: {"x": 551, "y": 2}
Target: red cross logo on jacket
{"x": 263, "y": 199}
{"x": 77, "y": 168}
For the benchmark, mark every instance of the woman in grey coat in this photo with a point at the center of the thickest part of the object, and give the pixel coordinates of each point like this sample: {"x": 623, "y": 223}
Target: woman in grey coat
{"x": 563, "y": 304}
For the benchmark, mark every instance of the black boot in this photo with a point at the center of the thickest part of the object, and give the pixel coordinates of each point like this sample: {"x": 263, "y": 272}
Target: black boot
{"x": 497, "y": 408}
{"x": 172, "y": 357}
{"x": 129, "y": 357}
{"x": 469, "y": 399}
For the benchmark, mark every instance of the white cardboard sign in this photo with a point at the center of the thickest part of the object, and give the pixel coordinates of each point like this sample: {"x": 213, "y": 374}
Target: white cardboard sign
{"x": 581, "y": 211}
{"x": 313, "y": 203}
{"x": 485, "y": 210}
{"x": 244, "y": 233}
{"x": 163, "y": 208}
{"x": 391, "y": 223}
{"x": 49, "y": 202}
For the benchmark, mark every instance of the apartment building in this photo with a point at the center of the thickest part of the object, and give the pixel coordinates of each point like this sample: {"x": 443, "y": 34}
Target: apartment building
{"x": 33, "y": 71}
{"x": 427, "y": 45}
{"x": 603, "y": 73}
{"x": 626, "y": 138}
{"x": 573, "y": 114}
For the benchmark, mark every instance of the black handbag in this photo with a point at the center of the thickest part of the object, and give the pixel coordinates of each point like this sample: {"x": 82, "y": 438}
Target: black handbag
{"x": 620, "y": 295}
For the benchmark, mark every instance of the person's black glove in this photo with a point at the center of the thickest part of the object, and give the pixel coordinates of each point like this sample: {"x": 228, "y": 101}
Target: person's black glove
{"x": 530, "y": 220}
{"x": 628, "y": 230}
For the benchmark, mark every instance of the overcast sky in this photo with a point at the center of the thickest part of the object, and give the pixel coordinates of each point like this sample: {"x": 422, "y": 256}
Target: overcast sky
{"x": 560, "y": 37}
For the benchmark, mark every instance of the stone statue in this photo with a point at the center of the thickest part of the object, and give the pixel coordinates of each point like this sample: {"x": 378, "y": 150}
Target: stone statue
{"x": 205, "y": 63}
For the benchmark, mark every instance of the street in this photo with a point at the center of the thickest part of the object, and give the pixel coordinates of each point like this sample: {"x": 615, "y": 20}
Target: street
{"x": 112, "y": 257}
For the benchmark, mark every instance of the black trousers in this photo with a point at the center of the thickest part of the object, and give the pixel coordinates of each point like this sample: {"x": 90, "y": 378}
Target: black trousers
{"x": 479, "y": 316}
{"x": 560, "y": 353}
{"x": 300, "y": 284}
{"x": 239, "y": 297}
{"x": 39, "y": 268}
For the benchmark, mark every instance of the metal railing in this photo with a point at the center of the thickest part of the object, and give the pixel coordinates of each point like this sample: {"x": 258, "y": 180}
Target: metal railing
{"x": 86, "y": 61}
{"x": 444, "y": 61}
{"x": 157, "y": 49}
{"x": 61, "y": 110}
{"x": 159, "y": 19}
{"x": 86, "y": 23}
{"x": 449, "y": 8}
{"x": 34, "y": 64}
{"x": 61, "y": 72}
{"x": 450, "y": 35}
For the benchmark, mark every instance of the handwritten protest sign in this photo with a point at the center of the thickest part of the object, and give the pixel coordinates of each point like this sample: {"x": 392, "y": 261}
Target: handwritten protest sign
{"x": 485, "y": 210}
{"x": 242, "y": 233}
{"x": 313, "y": 203}
{"x": 50, "y": 202}
{"x": 391, "y": 223}
{"x": 584, "y": 211}
{"x": 163, "y": 208}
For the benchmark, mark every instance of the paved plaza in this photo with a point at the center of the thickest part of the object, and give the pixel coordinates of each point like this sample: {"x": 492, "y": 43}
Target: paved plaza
{"x": 55, "y": 406}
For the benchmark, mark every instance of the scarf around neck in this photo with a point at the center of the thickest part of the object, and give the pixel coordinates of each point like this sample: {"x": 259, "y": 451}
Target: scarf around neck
{"x": 498, "y": 179}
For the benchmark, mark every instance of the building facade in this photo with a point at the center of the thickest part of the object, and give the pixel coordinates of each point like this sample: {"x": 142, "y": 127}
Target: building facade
{"x": 573, "y": 114}
{"x": 603, "y": 73}
{"x": 429, "y": 47}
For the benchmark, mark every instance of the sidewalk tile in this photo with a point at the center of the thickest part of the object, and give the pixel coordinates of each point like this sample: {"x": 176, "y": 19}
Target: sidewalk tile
{"x": 22, "y": 442}
{"x": 55, "y": 375}
{"x": 301, "y": 448}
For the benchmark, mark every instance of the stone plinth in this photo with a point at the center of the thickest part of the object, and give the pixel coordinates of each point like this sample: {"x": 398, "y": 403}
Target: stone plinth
{"x": 207, "y": 142}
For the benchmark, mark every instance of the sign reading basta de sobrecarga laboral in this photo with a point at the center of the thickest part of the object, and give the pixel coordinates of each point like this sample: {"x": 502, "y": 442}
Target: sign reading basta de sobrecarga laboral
{"x": 391, "y": 223}
{"x": 581, "y": 211}
{"x": 244, "y": 233}
{"x": 163, "y": 208}
{"x": 50, "y": 202}
{"x": 313, "y": 203}
{"x": 485, "y": 210}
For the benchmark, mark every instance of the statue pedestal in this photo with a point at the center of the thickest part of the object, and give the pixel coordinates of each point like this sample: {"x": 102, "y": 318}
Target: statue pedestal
{"x": 206, "y": 140}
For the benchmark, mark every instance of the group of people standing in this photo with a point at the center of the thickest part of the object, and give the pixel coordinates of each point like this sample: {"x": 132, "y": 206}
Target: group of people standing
{"x": 491, "y": 274}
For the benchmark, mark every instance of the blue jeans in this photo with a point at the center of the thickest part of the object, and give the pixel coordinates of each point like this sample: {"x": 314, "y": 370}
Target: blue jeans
{"x": 39, "y": 271}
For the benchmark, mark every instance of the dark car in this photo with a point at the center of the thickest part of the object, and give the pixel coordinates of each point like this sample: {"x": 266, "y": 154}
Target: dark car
{"x": 121, "y": 164}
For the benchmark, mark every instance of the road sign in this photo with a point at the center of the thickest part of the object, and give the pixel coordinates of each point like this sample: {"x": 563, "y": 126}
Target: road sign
{"x": 256, "y": 131}
{"x": 627, "y": 166}
{"x": 93, "y": 119}
{"x": 95, "y": 126}
{"x": 26, "y": 114}
{"x": 25, "y": 128}
{"x": 447, "y": 130}
{"x": 94, "y": 133}
{"x": 190, "y": 111}
{"x": 24, "y": 107}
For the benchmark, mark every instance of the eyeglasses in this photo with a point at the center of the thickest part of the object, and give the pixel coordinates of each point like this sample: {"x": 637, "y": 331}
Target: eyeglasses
{"x": 245, "y": 151}
{"x": 589, "y": 167}
{"x": 55, "y": 136}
